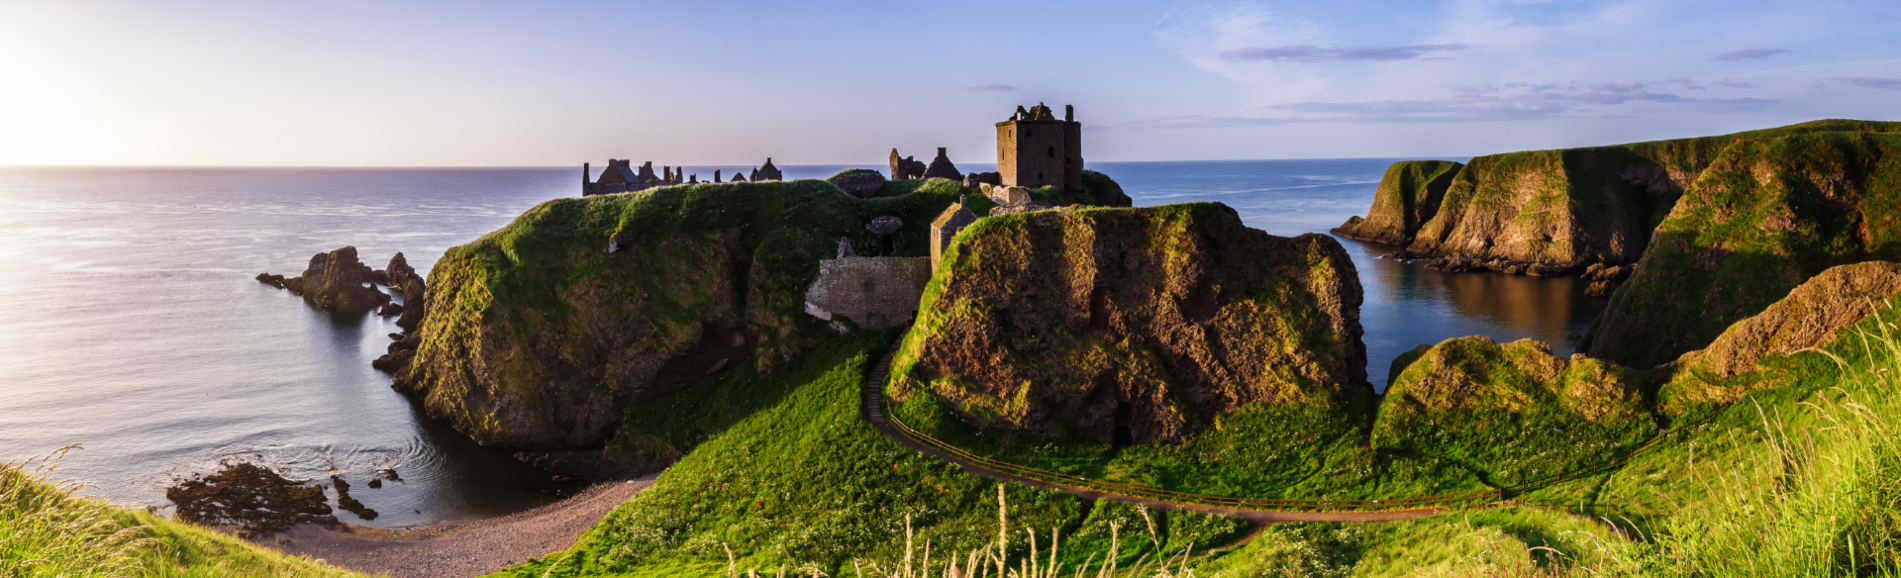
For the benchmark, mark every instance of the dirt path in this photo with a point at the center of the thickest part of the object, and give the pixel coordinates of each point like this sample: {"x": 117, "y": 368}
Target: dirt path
{"x": 874, "y": 414}
{"x": 460, "y": 549}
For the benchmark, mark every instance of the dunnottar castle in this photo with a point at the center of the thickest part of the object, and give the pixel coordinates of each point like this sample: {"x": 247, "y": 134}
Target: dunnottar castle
{"x": 1034, "y": 150}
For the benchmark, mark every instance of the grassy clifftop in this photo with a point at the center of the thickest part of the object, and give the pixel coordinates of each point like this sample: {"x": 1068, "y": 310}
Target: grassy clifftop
{"x": 539, "y": 334}
{"x": 1769, "y": 213}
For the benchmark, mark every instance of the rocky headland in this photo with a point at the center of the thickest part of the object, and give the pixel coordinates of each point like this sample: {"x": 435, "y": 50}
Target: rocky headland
{"x": 1132, "y": 325}
{"x": 335, "y": 282}
{"x": 1550, "y": 212}
{"x": 538, "y": 336}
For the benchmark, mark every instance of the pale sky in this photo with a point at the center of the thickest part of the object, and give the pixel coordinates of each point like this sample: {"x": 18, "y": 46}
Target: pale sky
{"x": 356, "y": 83}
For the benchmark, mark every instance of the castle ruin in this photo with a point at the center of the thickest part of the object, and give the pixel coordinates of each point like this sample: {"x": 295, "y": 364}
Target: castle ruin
{"x": 1034, "y": 149}
{"x": 621, "y": 177}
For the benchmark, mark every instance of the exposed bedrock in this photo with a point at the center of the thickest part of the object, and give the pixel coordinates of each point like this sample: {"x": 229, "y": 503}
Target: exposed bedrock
{"x": 335, "y": 282}
{"x": 1408, "y": 196}
{"x": 1768, "y": 214}
{"x": 1139, "y": 323}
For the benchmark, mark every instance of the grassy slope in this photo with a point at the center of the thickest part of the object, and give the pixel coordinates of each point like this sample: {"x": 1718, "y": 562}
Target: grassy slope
{"x": 784, "y": 472}
{"x": 1767, "y": 215}
{"x": 46, "y": 531}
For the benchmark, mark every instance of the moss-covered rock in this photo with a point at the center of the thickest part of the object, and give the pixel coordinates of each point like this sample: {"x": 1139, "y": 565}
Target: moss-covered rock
{"x": 1768, "y": 214}
{"x": 1563, "y": 210}
{"x": 539, "y": 335}
{"x": 1512, "y": 412}
{"x": 1132, "y": 323}
{"x": 1811, "y": 316}
{"x": 1408, "y": 197}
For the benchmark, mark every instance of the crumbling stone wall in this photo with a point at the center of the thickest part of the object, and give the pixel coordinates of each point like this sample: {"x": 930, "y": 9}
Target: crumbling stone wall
{"x": 872, "y": 292}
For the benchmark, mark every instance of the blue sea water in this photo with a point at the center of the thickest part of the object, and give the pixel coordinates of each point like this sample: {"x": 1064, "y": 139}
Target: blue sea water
{"x": 130, "y": 322}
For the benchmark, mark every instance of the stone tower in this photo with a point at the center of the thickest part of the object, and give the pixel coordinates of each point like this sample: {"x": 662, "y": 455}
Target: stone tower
{"x": 1034, "y": 149}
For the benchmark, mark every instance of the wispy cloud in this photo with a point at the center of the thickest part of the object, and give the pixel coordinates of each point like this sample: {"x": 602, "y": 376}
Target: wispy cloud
{"x": 1750, "y": 54}
{"x": 1734, "y": 83}
{"x": 1480, "y": 103}
{"x": 991, "y": 87}
{"x": 1871, "y": 82}
{"x": 1309, "y": 53}
{"x": 1687, "y": 84}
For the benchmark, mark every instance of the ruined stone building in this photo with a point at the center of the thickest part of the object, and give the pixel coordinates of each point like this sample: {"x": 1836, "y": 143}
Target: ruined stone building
{"x": 623, "y": 178}
{"x": 941, "y": 168}
{"x": 1034, "y": 149}
{"x": 903, "y": 168}
{"x": 945, "y": 227}
{"x": 872, "y": 292}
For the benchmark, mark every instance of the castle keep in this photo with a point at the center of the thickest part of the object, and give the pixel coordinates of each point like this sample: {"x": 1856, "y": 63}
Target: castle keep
{"x": 1034, "y": 149}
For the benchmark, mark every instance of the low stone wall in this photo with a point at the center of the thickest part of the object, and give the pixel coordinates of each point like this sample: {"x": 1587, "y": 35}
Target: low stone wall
{"x": 873, "y": 292}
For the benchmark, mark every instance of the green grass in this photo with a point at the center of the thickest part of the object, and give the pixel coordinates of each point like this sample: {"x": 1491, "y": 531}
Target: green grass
{"x": 783, "y": 471}
{"x": 47, "y": 531}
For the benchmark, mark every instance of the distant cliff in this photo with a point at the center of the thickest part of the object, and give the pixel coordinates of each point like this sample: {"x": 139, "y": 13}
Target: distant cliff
{"x": 1555, "y": 212}
{"x": 539, "y": 335}
{"x": 1769, "y": 213}
{"x": 1140, "y": 324}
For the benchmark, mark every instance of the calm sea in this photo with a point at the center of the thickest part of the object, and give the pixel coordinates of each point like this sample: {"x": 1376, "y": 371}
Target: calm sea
{"x": 130, "y": 323}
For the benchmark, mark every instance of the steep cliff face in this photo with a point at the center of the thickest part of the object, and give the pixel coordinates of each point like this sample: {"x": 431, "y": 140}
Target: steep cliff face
{"x": 1558, "y": 211}
{"x": 1409, "y": 196}
{"x": 1814, "y": 314}
{"x": 538, "y": 336}
{"x": 1132, "y": 325}
{"x": 1511, "y": 411}
{"x": 1768, "y": 214}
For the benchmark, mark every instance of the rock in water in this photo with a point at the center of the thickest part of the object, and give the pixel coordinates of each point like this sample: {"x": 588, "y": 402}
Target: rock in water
{"x": 861, "y": 183}
{"x": 400, "y": 274}
{"x": 1408, "y": 196}
{"x": 1769, "y": 213}
{"x": 256, "y": 499}
{"x": 337, "y": 282}
{"x": 1138, "y": 323}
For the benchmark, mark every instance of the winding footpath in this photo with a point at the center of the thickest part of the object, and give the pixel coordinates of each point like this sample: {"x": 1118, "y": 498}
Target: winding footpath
{"x": 874, "y": 413}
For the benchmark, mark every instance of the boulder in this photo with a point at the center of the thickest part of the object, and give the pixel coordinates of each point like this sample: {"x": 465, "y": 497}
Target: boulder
{"x": 1132, "y": 324}
{"x": 861, "y": 183}
{"x": 1408, "y": 196}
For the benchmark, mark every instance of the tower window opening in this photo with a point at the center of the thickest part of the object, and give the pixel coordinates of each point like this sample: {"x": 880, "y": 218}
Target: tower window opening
{"x": 1029, "y": 132}
{"x": 1052, "y": 152}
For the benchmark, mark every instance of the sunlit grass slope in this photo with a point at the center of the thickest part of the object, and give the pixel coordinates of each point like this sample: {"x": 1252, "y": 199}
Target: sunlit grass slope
{"x": 46, "y": 531}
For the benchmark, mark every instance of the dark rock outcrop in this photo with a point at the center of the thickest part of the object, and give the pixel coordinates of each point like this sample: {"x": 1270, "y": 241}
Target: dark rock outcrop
{"x": 861, "y": 183}
{"x": 1138, "y": 324}
{"x": 974, "y": 180}
{"x": 1408, "y": 196}
{"x": 1768, "y": 214}
{"x": 335, "y": 282}
{"x": 254, "y": 498}
{"x": 941, "y": 168}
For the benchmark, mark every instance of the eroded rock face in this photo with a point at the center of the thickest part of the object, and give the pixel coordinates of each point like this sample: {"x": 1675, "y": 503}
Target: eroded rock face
{"x": 1813, "y": 315}
{"x": 1766, "y": 216}
{"x": 861, "y": 184}
{"x": 1133, "y": 323}
{"x": 1513, "y": 411}
{"x": 1408, "y": 197}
